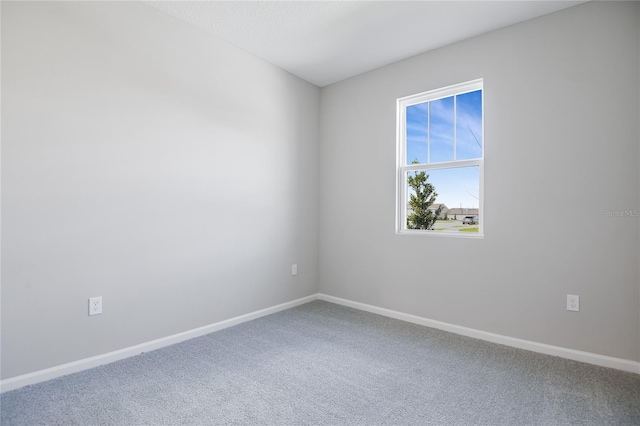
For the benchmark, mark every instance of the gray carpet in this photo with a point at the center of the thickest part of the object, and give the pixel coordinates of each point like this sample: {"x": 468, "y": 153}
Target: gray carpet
{"x": 321, "y": 364}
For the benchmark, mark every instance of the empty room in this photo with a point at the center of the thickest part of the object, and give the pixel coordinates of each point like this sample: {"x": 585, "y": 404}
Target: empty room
{"x": 320, "y": 212}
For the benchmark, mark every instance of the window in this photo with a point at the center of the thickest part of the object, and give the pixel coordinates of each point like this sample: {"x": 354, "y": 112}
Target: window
{"x": 440, "y": 162}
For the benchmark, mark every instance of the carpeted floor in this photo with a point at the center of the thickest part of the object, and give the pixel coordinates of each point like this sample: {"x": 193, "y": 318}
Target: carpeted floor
{"x": 322, "y": 364}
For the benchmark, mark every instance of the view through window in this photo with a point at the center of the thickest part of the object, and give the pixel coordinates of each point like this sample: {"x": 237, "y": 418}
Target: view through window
{"x": 440, "y": 161}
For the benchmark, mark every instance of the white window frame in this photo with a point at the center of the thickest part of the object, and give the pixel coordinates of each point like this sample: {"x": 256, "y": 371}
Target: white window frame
{"x": 403, "y": 168}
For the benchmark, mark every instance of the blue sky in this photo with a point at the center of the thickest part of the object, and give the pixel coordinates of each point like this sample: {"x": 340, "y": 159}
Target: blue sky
{"x": 454, "y": 186}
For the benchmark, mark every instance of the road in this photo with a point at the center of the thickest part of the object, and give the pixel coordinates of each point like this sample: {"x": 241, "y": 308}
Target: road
{"x": 451, "y": 225}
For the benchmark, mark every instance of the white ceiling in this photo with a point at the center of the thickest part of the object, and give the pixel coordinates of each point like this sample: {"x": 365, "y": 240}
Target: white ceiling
{"x": 327, "y": 41}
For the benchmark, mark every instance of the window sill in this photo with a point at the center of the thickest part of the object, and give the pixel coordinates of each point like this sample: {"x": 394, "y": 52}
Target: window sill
{"x": 440, "y": 234}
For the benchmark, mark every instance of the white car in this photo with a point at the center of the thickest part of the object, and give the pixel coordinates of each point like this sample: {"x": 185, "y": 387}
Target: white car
{"x": 470, "y": 220}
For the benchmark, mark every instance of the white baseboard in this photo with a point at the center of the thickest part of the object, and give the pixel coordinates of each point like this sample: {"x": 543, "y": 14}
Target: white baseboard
{"x": 588, "y": 357}
{"x": 95, "y": 361}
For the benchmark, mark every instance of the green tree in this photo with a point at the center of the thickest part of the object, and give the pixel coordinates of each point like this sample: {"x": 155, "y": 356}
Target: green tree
{"x": 419, "y": 202}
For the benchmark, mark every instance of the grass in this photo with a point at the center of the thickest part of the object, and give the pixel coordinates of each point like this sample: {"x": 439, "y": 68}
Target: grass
{"x": 474, "y": 229}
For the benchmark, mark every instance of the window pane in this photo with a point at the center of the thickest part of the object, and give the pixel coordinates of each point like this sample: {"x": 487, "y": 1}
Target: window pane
{"x": 417, "y": 122}
{"x": 441, "y": 130}
{"x": 469, "y": 125}
{"x": 455, "y": 191}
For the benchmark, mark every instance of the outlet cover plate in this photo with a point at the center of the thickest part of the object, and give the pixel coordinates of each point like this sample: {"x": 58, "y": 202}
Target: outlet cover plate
{"x": 573, "y": 302}
{"x": 95, "y": 305}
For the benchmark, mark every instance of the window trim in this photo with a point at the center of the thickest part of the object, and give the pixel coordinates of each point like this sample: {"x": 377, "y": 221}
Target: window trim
{"x": 402, "y": 168}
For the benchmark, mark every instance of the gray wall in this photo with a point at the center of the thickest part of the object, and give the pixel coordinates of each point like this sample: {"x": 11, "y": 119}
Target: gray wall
{"x": 149, "y": 163}
{"x": 562, "y": 136}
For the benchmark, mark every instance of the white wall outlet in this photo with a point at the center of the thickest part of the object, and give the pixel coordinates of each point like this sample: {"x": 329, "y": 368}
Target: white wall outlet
{"x": 573, "y": 302}
{"x": 95, "y": 305}
{"x": 294, "y": 269}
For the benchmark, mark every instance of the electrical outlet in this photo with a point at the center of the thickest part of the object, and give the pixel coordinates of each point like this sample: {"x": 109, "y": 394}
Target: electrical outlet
{"x": 294, "y": 269}
{"x": 95, "y": 305}
{"x": 573, "y": 302}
